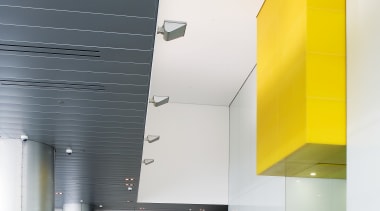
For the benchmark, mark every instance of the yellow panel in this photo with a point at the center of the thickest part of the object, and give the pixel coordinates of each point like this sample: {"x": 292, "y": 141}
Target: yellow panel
{"x": 281, "y": 48}
{"x": 301, "y": 83}
{"x": 326, "y": 123}
{"x": 326, "y": 28}
{"x": 326, "y": 75}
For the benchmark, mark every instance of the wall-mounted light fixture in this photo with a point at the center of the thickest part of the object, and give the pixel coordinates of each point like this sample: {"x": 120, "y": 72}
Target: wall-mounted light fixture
{"x": 151, "y": 138}
{"x": 148, "y": 161}
{"x": 159, "y": 100}
{"x": 172, "y": 29}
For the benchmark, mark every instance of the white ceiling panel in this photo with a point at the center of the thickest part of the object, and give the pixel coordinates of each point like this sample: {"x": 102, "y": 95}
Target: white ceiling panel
{"x": 209, "y": 64}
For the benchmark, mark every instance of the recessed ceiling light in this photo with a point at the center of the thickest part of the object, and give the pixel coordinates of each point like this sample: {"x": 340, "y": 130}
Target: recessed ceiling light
{"x": 24, "y": 137}
{"x": 69, "y": 151}
{"x": 313, "y": 174}
{"x": 130, "y": 188}
{"x": 126, "y": 179}
{"x": 58, "y": 193}
{"x": 100, "y": 205}
{"x": 132, "y": 179}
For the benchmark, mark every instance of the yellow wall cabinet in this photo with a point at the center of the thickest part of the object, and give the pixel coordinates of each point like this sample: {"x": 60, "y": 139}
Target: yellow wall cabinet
{"x": 301, "y": 83}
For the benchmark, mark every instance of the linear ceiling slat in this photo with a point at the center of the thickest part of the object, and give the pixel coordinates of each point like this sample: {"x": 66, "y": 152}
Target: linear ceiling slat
{"x": 74, "y": 37}
{"x": 138, "y": 8}
{"x": 53, "y": 75}
{"x": 132, "y": 94}
{"x": 65, "y": 19}
{"x": 76, "y": 65}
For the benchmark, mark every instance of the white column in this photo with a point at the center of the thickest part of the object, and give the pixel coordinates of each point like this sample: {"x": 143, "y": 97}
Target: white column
{"x": 26, "y": 176}
{"x": 363, "y": 105}
{"x": 37, "y": 177}
{"x": 76, "y": 207}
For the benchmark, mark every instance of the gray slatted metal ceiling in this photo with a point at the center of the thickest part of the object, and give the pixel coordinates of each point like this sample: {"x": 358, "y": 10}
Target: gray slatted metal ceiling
{"x": 76, "y": 73}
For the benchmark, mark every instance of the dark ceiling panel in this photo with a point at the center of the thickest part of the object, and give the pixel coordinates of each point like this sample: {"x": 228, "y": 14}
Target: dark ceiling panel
{"x": 74, "y": 37}
{"x": 72, "y": 20}
{"x": 76, "y": 73}
{"x": 74, "y": 65}
{"x": 72, "y": 102}
{"x": 80, "y": 79}
{"x": 129, "y": 93}
{"x": 139, "y": 8}
{"x": 52, "y": 75}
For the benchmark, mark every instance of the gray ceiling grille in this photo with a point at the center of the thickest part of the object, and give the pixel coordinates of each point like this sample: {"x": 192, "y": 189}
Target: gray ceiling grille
{"x": 56, "y": 85}
{"x": 49, "y": 50}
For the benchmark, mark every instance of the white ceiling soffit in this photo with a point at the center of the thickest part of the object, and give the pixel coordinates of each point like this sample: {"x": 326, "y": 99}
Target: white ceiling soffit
{"x": 208, "y": 65}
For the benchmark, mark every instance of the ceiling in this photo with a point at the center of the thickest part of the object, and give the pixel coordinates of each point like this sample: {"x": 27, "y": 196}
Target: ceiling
{"x": 77, "y": 74}
{"x": 211, "y": 62}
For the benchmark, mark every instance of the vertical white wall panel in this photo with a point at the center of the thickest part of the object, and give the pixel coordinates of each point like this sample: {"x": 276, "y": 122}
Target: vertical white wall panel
{"x": 363, "y": 105}
{"x": 248, "y": 191}
{"x": 10, "y": 174}
{"x": 191, "y": 157}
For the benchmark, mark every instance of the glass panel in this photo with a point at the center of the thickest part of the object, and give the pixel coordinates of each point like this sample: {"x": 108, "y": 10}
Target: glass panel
{"x": 315, "y": 194}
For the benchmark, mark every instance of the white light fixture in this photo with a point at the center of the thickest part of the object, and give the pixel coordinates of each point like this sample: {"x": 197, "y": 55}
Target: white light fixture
{"x": 151, "y": 138}
{"x": 69, "y": 151}
{"x": 159, "y": 100}
{"x": 313, "y": 174}
{"x": 172, "y": 29}
{"x": 148, "y": 161}
{"x": 24, "y": 137}
{"x": 100, "y": 205}
{"x": 130, "y": 188}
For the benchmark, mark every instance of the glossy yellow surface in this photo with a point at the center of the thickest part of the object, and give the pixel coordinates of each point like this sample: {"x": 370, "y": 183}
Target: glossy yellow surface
{"x": 301, "y": 81}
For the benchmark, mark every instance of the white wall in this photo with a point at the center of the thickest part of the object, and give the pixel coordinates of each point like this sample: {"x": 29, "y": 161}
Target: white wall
{"x": 247, "y": 191}
{"x": 363, "y": 101}
{"x": 191, "y": 157}
{"x": 10, "y": 174}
